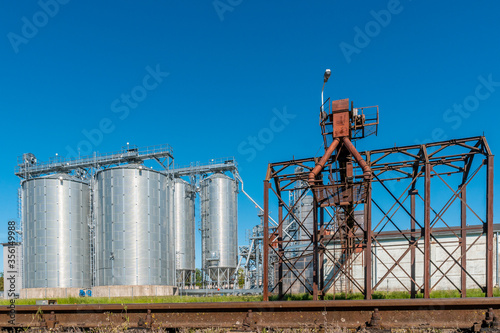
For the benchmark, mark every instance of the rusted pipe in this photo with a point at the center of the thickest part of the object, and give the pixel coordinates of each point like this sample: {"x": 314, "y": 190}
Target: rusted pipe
{"x": 367, "y": 172}
{"x": 319, "y": 166}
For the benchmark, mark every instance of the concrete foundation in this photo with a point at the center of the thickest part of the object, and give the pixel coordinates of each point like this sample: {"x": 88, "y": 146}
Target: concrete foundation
{"x": 103, "y": 291}
{"x": 48, "y": 293}
{"x": 133, "y": 291}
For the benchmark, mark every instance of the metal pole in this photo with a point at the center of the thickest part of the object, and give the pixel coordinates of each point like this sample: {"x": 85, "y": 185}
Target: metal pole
{"x": 315, "y": 250}
{"x": 265, "y": 283}
{"x": 413, "y": 292}
{"x": 463, "y": 240}
{"x": 496, "y": 256}
{"x": 489, "y": 227}
{"x": 368, "y": 240}
{"x": 280, "y": 251}
{"x": 260, "y": 266}
{"x": 427, "y": 231}
{"x": 321, "y": 253}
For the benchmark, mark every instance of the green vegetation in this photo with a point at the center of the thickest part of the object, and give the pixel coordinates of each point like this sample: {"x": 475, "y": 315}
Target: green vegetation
{"x": 198, "y": 278}
{"x": 241, "y": 277}
{"x": 231, "y": 298}
{"x": 391, "y": 295}
{"x": 128, "y": 300}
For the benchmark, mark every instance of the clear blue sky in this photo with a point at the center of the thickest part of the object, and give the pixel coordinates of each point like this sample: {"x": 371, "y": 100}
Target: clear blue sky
{"x": 232, "y": 66}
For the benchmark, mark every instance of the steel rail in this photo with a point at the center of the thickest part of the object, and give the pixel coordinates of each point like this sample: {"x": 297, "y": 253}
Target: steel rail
{"x": 466, "y": 313}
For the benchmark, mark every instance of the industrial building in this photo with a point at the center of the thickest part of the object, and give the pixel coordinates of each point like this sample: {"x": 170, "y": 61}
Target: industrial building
{"x": 12, "y": 269}
{"x": 115, "y": 225}
{"x": 110, "y": 224}
{"x": 384, "y": 257}
{"x": 444, "y": 275}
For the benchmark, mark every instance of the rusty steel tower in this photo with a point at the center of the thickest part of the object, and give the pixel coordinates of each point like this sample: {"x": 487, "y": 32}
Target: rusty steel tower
{"x": 346, "y": 185}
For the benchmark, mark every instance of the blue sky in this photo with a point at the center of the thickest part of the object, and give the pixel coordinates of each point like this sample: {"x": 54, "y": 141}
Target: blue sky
{"x": 224, "y": 71}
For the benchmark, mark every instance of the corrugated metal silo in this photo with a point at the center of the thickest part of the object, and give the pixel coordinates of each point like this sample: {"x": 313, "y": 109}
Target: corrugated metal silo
{"x": 184, "y": 196}
{"x": 56, "y": 215}
{"x": 134, "y": 240}
{"x": 306, "y": 216}
{"x": 219, "y": 218}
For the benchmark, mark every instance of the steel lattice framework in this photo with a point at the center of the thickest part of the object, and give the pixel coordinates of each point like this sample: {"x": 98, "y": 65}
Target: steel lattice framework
{"x": 416, "y": 193}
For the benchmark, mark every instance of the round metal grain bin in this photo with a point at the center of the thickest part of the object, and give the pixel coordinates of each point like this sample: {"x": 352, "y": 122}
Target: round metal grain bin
{"x": 184, "y": 196}
{"x": 56, "y": 215}
{"x": 306, "y": 216}
{"x": 134, "y": 240}
{"x": 219, "y": 218}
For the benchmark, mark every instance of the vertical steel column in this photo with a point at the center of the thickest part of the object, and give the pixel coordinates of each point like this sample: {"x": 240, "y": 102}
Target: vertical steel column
{"x": 321, "y": 253}
{"x": 463, "y": 240}
{"x": 368, "y": 242}
{"x": 258, "y": 263}
{"x": 413, "y": 292}
{"x": 427, "y": 231}
{"x": 315, "y": 250}
{"x": 489, "y": 226}
{"x": 496, "y": 257}
{"x": 368, "y": 235}
{"x": 265, "y": 260}
{"x": 280, "y": 250}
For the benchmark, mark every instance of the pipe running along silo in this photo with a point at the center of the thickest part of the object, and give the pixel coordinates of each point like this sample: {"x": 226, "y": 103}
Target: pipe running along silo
{"x": 56, "y": 216}
{"x": 184, "y": 196}
{"x": 134, "y": 239}
{"x": 219, "y": 224}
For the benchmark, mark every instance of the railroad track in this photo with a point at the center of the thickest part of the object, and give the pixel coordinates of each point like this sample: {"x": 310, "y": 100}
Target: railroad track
{"x": 470, "y": 314}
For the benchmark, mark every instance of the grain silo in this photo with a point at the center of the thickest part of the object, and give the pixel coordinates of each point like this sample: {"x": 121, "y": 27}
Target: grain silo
{"x": 56, "y": 216}
{"x": 184, "y": 196}
{"x": 306, "y": 215}
{"x": 134, "y": 238}
{"x": 219, "y": 226}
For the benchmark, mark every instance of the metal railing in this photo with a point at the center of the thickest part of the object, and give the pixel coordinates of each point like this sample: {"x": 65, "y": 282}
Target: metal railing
{"x": 61, "y": 164}
{"x": 214, "y": 165}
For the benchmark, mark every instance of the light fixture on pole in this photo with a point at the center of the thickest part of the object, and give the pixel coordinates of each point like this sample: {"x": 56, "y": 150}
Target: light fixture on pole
{"x": 328, "y": 72}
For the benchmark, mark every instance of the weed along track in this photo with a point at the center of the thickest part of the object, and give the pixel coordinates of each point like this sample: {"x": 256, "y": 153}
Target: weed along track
{"x": 473, "y": 314}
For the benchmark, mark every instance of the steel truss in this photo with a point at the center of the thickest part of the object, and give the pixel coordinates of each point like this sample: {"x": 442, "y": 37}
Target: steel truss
{"x": 185, "y": 278}
{"x": 416, "y": 193}
{"x": 251, "y": 259}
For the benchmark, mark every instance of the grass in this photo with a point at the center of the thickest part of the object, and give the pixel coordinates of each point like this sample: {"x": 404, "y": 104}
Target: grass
{"x": 128, "y": 300}
{"x": 391, "y": 295}
{"x": 231, "y": 298}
